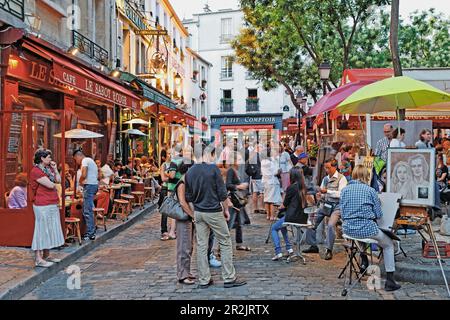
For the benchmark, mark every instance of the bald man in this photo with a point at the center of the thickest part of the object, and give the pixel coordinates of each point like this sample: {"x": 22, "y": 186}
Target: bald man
{"x": 383, "y": 144}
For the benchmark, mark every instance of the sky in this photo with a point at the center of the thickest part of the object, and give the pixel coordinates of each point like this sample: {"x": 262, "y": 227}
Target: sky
{"x": 185, "y": 8}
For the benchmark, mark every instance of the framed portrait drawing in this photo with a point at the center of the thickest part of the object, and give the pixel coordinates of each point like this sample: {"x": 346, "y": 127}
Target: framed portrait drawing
{"x": 411, "y": 172}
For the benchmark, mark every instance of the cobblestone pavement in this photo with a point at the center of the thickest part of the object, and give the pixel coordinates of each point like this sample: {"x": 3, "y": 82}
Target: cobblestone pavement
{"x": 137, "y": 265}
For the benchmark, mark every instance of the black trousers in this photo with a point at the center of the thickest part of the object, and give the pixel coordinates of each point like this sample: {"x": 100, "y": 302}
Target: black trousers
{"x": 235, "y": 222}
{"x": 162, "y": 195}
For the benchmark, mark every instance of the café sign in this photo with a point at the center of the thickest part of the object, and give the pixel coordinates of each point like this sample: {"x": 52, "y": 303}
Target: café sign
{"x": 56, "y": 75}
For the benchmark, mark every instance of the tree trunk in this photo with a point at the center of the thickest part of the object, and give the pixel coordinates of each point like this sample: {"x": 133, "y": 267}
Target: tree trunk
{"x": 393, "y": 41}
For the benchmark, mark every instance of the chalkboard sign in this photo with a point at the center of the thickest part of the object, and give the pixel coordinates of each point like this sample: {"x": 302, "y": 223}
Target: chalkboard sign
{"x": 15, "y": 132}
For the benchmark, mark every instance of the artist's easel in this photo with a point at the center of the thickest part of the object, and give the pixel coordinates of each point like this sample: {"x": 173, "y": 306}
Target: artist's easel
{"x": 417, "y": 217}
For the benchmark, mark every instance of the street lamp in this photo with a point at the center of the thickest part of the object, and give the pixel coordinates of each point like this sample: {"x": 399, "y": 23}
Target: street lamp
{"x": 177, "y": 79}
{"x": 324, "y": 71}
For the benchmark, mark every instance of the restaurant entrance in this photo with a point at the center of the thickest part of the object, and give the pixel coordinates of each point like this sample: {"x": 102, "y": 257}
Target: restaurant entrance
{"x": 21, "y": 135}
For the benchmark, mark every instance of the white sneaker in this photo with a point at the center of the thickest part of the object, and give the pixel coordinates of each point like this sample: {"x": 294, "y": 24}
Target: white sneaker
{"x": 290, "y": 251}
{"x": 277, "y": 257}
{"x": 213, "y": 262}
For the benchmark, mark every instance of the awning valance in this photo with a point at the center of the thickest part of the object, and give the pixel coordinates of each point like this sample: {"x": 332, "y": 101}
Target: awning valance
{"x": 147, "y": 91}
{"x": 85, "y": 80}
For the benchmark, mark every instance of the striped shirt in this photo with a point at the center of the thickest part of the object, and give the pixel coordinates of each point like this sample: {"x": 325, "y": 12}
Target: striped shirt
{"x": 360, "y": 206}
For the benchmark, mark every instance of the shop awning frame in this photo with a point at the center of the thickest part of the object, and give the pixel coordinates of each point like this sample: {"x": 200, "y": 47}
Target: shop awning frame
{"x": 147, "y": 91}
{"x": 81, "y": 78}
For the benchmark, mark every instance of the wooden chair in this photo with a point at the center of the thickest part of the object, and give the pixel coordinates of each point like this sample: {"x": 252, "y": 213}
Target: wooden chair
{"x": 73, "y": 225}
{"x": 100, "y": 215}
{"x": 139, "y": 198}
{"x": 120, "y": 207}
{"x": 130, "y": 199}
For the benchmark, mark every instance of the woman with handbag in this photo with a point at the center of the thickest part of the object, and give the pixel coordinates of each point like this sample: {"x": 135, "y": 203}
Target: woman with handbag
{"x": 293, "y": 209}
{"x": 237, "y": 213}
{"x": 185, "y": 232}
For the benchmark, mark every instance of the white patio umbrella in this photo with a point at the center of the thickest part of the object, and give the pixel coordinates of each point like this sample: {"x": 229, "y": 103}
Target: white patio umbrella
{"x": 137, "y": 121}
{"x": 135, "y": 132}
{"x": 79, "y": 134}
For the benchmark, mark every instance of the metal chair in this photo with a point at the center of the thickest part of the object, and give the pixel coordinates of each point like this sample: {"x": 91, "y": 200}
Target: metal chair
{"x": 352, "y": 266}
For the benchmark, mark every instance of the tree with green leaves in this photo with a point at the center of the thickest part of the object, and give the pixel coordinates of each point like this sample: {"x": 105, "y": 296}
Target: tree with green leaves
{"x": 285, "y": 41}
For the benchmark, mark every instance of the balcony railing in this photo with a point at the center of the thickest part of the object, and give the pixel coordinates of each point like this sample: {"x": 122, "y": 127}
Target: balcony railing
{"x": 14, "y": 7}
{"x": 136, "y": 17}
{"x": 226, "y": 105}
{"x": 89, "y": 48}
{"x": 252, "y": 104}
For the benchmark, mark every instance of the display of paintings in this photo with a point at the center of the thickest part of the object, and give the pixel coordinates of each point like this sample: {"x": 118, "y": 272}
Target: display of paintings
{"x": 411, "y": 173}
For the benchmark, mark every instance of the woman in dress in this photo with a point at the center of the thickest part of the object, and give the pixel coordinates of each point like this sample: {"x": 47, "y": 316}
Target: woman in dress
{"x": 271, "y": 184}
{"x": 48, "y": 233}
{"x": 402, "y": 180}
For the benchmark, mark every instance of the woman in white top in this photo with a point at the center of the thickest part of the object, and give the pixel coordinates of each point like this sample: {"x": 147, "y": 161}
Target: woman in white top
{"x": 398, "y": 135}
{"x": 272, "y": 190}
{"x": 285, "y": 166}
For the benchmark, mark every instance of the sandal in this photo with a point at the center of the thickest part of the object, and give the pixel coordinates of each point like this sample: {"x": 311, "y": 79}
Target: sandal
{"x": 243, "y": 248}
{"x": 186, "y": 281}
{"x": 54, "y": 260}
{"x": 172, "y": 238}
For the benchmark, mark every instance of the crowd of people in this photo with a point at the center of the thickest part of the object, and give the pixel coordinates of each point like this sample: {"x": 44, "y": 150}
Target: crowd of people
{"x": 217, "y": 190}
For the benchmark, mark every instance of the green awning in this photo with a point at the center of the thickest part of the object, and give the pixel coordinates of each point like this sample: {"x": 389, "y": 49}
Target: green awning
{"x": 147, "y": 91}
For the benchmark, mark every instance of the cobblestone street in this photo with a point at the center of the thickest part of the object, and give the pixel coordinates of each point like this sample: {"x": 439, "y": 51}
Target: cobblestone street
{"x": 137, "y": 265}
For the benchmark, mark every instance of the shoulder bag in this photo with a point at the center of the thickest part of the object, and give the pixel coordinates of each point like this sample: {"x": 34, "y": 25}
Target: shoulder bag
{"x": 171, "y": 207}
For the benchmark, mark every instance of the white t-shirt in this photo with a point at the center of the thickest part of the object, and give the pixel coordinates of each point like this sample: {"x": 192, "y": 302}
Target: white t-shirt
{"x": 395, "y": 143}
{"x": 107, "y": 173}
{"x": 92, "y": 171}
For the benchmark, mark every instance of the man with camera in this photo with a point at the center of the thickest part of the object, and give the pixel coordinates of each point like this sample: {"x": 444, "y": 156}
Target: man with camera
{"x": 329, "y": 195}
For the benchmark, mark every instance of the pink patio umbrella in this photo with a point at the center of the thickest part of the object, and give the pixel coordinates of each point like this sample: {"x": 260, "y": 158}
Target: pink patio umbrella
{"x": 331, "y": 100}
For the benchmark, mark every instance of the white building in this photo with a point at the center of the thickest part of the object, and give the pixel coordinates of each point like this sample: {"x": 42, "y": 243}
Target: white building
{"x": 235, "y": 99}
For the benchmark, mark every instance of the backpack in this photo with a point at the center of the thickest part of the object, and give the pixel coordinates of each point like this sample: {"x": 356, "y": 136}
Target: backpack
{"x": 251, "y": 169}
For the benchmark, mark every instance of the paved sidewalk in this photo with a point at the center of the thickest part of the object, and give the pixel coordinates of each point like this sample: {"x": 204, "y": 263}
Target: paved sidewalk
{"x": 18, "y": 274}
{"x": 136, "y": 264}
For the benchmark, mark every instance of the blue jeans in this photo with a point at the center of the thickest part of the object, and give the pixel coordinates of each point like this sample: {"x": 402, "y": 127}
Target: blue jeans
{"x": 89, "y": 192}
{"x": 278, "y": 226}
{"x": 331, "y": 233}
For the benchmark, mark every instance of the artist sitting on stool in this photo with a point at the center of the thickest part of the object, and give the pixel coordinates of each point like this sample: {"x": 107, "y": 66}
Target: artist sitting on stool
{"x": 330, "y": 190}
{"x": 360, "y": 207}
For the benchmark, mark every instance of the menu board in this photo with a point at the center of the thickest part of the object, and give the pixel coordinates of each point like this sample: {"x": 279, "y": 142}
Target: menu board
{"x": 15, "y": 131}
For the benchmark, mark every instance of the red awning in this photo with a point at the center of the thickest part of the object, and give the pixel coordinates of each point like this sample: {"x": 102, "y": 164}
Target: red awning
{"x": 248, "y": 127}
{"x": 176, "y": 115}
{"x": 352, "y": 75}
{"x": 87, "y": 81}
